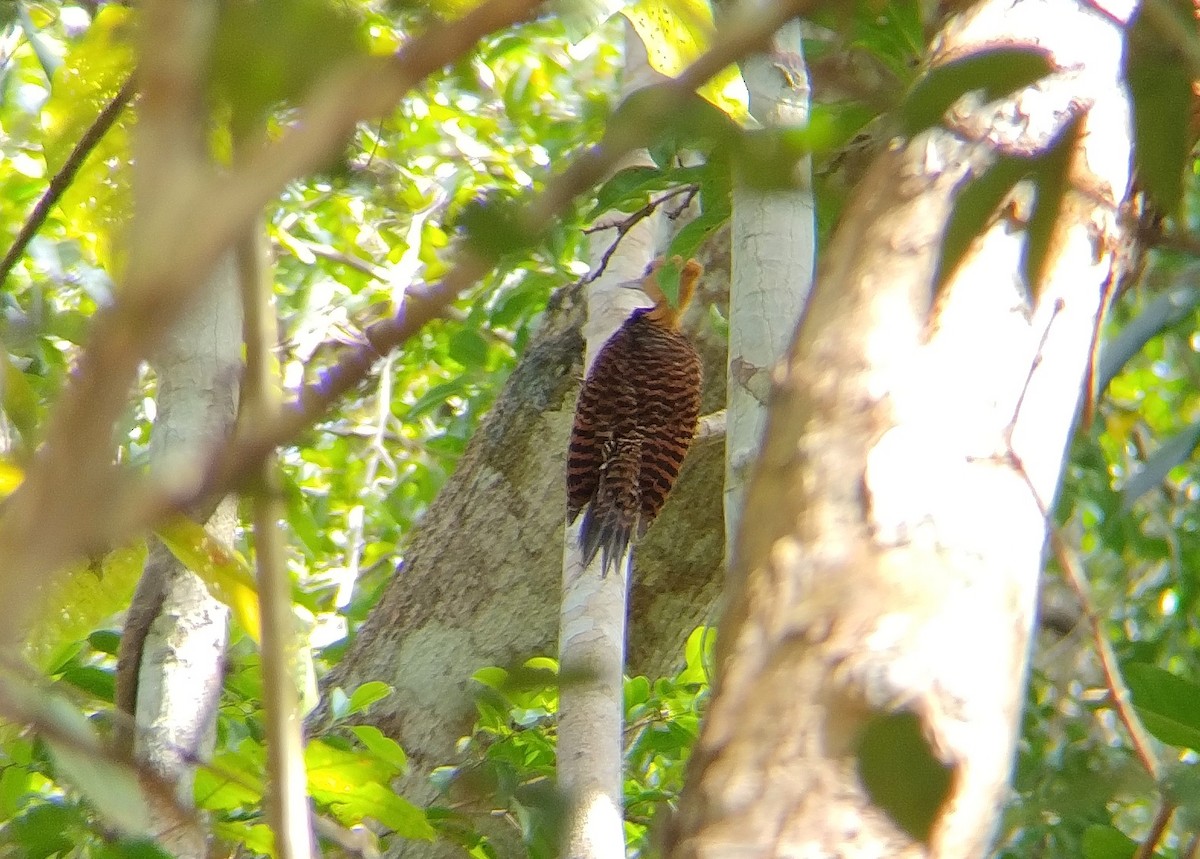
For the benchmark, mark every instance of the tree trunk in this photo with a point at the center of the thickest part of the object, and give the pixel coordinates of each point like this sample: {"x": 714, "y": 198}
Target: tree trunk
{"x": 173, "y": 646}
{"x": 774, "y": 242}
{"x": 895, "y": 525}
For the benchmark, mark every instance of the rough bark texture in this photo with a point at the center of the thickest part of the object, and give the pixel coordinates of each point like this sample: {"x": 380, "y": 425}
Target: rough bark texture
{"x": 774, "y": 242}
{"x": 895, "y": 525}
{"x": 480, "y": 582}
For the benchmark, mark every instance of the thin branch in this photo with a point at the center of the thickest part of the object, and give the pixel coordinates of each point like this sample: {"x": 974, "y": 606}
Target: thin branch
{"x": 1157, "y": 827}
{"x": 1117, "y": 690}
{"x": 626, "y": 224}
{"x": 710, "y": 427}
{"x": 65, "y": 175}
{"x": 287, "y": 804}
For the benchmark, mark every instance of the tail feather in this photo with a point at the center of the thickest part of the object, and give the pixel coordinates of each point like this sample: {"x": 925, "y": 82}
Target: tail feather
{"x": 614, "y": 510}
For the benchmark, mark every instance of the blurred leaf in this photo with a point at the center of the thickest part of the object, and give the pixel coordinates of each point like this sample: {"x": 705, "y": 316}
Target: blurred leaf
{"x": 901, "y": 773}
{"x": 1052, "y": 172}
{"x": 384, "y": 748}
{"x": 112, "y": 788}
{"x": 996, "y": 72}
{"x": 222, "y": 569}
{"x": 1161, "y": 86}
{"x": 468, "y": 348}
{"x": 1174, "y": 451}
{"x": 254, "y": 60}
{"x": 77, "y": 602}
{"x": 1165, "y": 311}
{"x": 974, "y": 208}
{"x": 1166, "y": 704}
{"x": 675, "y": 33}
{"x": 99, "y": 198}
{"x": 581, "y": 17}
{"x": 95, "y": 681}
{"x": 19, "y": 400}
{"x": 1107, "y": 842}
{"x": 1181, "y": 785}
{"x": 43, "y": 830}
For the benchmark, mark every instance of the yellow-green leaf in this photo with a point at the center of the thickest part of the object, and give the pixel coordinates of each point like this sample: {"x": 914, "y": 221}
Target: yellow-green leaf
{"x": 222, "y": 568}
{"x": 675, "y": 33}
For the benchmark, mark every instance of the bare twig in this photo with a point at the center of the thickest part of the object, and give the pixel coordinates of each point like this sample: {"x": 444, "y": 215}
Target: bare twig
{"x": 65, "y": 175}
{"x": 1117, "y": 690}
{"x": 628, "y": 223}
{"x": 711, "y": 427}
{"x": 1157, "y": 827}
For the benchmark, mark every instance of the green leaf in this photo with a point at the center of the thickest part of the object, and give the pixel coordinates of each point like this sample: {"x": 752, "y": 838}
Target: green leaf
{"x": 93, "y": 680}
{"x": 19, "y": 400}
{"x": 627, "y": 189}
{"x": 973, "y": 210}
{"x": 367, "y": 694}
{"x": 375, "y": 801}
{"x": 384, "y": 748}
{"x": 1107, "y": 842}
{"x": 1166, "y": 703}
{"x": 254, "y": 63}
{"x": 1164, "y": 312}
{"x": 901, "y": 773}
{"x": 105, "y": 641}
{"x": 995, "y": 71}
{"x": 43, "y": 830}
{"x": 468, "y": 348}
{"x": 1052, "y": 174}
{"x": 1175, "y": 451}
{"x": 1160, "y": 84}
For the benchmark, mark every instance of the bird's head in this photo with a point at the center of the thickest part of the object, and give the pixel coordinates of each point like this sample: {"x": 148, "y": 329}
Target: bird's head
{"x": 664, "y": 312}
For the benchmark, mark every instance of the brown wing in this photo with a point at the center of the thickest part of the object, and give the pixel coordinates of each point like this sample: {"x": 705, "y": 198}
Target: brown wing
{"x": 595, "y": 422}
{"x": 672, "y": 407}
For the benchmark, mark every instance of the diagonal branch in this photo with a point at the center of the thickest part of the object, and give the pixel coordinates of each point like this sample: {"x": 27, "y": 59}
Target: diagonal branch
{"x": 65, "y": 175}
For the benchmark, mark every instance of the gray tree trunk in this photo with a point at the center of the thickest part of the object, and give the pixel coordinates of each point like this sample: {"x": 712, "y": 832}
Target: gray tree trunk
{"x": 173, "y": 647}
{"x": 895, "y": 526}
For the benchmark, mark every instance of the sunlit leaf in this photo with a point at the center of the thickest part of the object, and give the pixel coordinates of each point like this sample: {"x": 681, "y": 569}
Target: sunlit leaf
{"x": 83, "y": 598}
{"x": 382, "y": 747}
{"x": 222, "y": 569}
{"x": 675, "y": 33}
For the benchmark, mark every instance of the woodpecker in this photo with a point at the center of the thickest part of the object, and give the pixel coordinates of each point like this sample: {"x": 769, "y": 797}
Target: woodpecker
{"x": 634, "y": 423}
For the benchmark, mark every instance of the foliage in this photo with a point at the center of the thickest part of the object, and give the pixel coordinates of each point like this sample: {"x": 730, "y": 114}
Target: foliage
{"x": 510, "y": 752}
